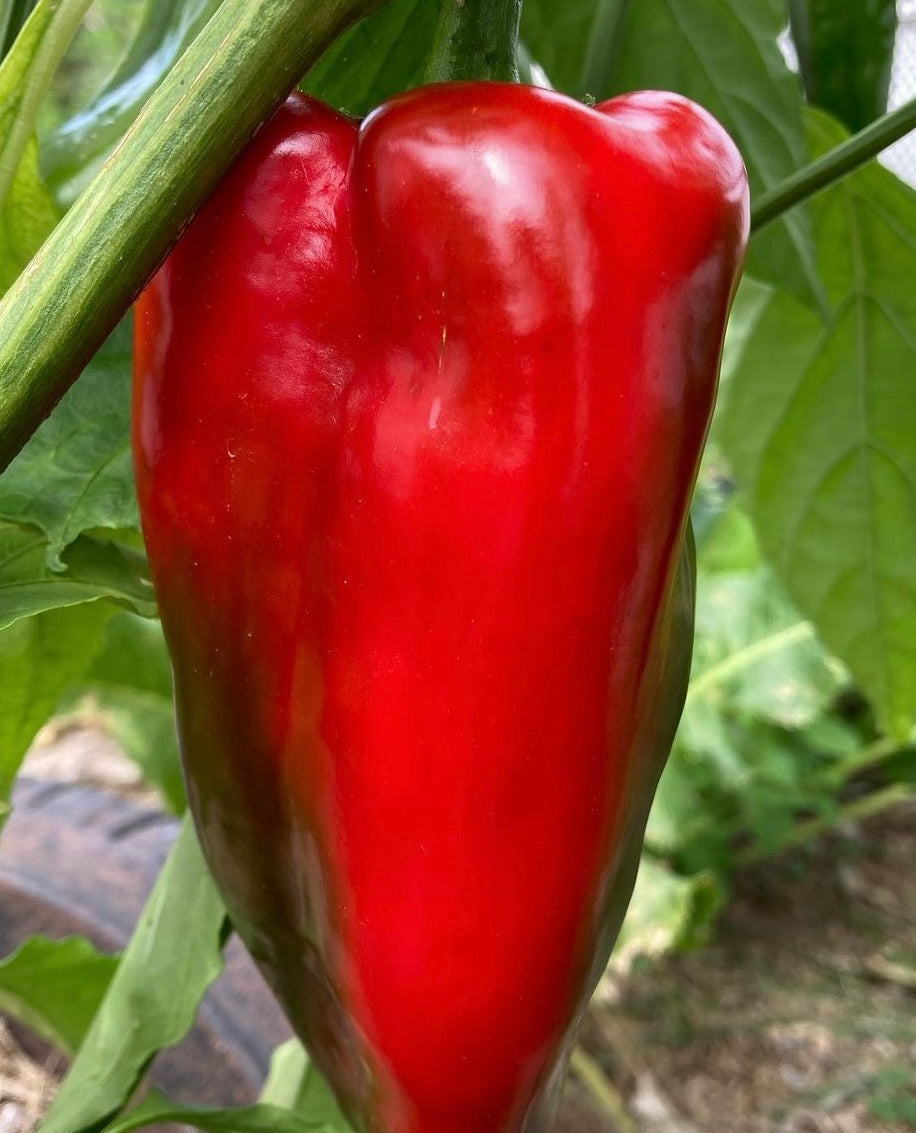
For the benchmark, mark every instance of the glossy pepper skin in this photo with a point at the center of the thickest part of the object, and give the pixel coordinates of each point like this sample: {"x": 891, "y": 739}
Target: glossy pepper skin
{"x": 419, "y": 404}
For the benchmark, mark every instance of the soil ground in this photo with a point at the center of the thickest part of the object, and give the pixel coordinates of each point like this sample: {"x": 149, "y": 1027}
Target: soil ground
{"x": 798, "y": 1017}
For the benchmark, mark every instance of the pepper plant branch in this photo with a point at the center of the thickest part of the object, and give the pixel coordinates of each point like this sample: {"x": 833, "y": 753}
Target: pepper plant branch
{"x": 63, "y": 27}
{"x": 240, "y": 67}
{"x": 812, "y": 828}
{"x": 871, "y": 756}
{"x": 722, "y": 671}
{"x": 842, "y": 159}
{"x": 476, "y": 39}
{"x": 603, "y": 47}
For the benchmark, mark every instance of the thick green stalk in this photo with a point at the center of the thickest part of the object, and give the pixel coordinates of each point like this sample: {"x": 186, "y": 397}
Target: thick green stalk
{"x": 603, "y": 50}
{"x": 476, "y": 39}
{"x": 80, "y": 283}
{"x": 843, "y": 159}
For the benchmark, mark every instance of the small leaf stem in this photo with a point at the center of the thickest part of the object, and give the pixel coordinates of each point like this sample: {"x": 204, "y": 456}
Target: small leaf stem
{"x": 475, "y": 40}
{"x": 59, "y": 311}
{"x": 843, "y": 159}
{"x": 591, "y": 1074}
{"x": 603, "y": 48}
{"x": 871, "y": 756}
{"x": 807, "y": 831}
{"x": 57, "y": 38}
{"x": 737, "y": 662}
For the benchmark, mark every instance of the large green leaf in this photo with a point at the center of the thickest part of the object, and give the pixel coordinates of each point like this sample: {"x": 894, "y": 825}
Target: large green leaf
{"x": 383, "y": 54}
{"x": 72, "y": 151}
{"x": 75, "y": 474}
{"x": 94, "y": 568}
{"x": 819, "y": 423}
{"x": 40, "y": 658}
{"x": 55, "y": 987}
{"x": 845, "y": 52}
{"x": 173, "y": 956}
{"x": 557, "y": 35}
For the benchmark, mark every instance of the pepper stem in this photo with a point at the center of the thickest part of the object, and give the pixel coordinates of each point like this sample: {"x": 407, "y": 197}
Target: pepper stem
{"x": 476, "y": 39}
{"x": 833, "y": 165}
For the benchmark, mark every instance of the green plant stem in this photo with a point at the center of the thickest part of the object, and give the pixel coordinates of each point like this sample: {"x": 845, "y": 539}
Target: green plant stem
{"x": 869, "y": 757}
{"x": 240, "y": 67}
{"x": 756, "y": 651}
{"x": 864, "y": 807}
{"x": 63, "y": 27}
{"x": 603, "y": 49}
{"x": 476, "y": 39}
{"x": 591, "y": 1074}
{"x": 843, "y": 159}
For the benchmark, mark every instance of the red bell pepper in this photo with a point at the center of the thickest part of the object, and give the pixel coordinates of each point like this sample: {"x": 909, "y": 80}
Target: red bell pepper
{"x": 419, "y": 408}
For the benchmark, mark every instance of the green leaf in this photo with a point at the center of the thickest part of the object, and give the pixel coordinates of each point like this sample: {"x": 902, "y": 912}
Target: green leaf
{"x": 756, "y": 654}
{"x": 173, "y": 956}
{"x": 16, "y": 64}
{"x": 93, "y": 569}
{"x": 251, "y": 1119}
{"x": 131, "y": 685}
{"x": 557, "y": 35}
{"x": 750, "y": 302}
{"x": 758, "y": 746}
{"x": 666, "y": 912}
{"x": 730, "y": 546}
{"x": 385, "y": 53}
{"x": 75, "y": 474}
{"x": 55, "y": 987}
{"x": 682, "y": 816}
{"x": 287, "y": 1075}
{"x": 72, "y": 152}
{"x": 817, "y": 422}
{"x": 27, "y": 211}
{"x": 26, "y": 217}
{"x": 13, "y": 14}
{"x": 40, "y": 659}
{"x": 845, "y": 53}
{"x": 294, "y": 1083}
